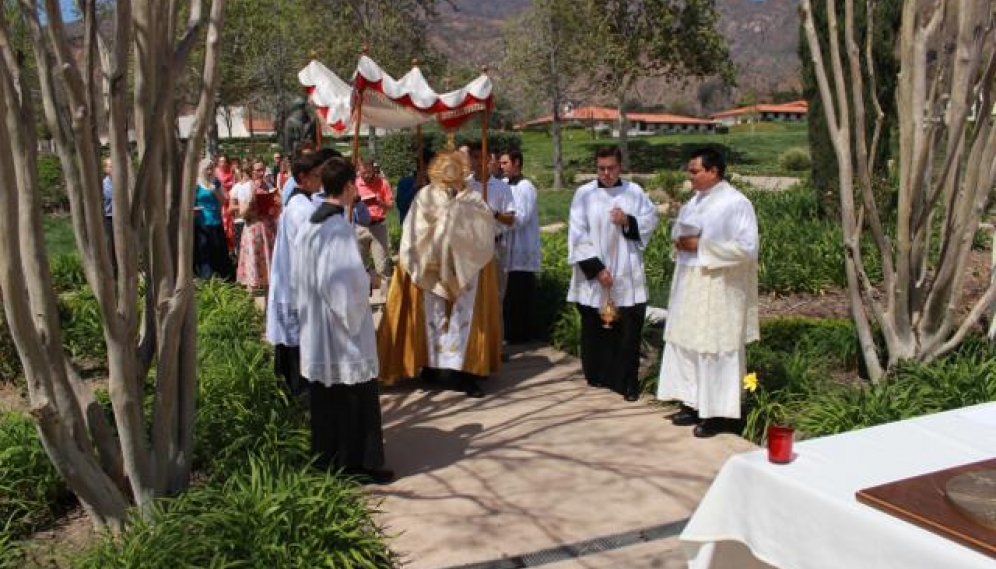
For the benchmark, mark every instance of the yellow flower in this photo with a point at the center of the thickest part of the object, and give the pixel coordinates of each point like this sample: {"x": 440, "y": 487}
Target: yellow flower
{"x": 750, "y": 382}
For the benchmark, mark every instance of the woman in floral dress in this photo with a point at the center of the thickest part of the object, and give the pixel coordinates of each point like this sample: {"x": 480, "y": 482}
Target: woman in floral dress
{"x": 260, "y": 208}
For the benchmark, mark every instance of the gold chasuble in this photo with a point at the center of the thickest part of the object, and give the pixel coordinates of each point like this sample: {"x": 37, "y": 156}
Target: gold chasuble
{"x": 442, "y": 305}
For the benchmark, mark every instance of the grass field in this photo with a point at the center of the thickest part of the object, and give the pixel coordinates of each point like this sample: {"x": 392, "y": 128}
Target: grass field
{"x": 750, "y": 150}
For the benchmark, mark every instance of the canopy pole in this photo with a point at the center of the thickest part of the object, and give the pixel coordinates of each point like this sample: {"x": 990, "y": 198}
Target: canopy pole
{"x": 356, "y": 148}
{"x": 485, "y": 155}
{"x": 356, "y": 129}
{"x": 318, "y": 132}
{"x": 420, "y": 168}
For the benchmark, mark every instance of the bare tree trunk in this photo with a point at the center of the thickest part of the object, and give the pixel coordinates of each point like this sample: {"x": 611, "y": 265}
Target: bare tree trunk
{"x": 557, "y": 100}
{"x": 623, "y": 130}
{"x": 558, "y": 147}
{"x": 948, "y": 64}
{"x": 152, "y": 206}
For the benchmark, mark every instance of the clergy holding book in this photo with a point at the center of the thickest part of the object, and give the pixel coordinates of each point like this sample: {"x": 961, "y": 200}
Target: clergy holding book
{"x": 611, "y": 222}
{"x": 330, "y": 287}
{"x": 712, "y": 313}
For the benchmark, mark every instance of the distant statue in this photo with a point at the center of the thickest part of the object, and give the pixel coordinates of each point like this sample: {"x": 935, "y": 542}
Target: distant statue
{"x": 299, "y": 126}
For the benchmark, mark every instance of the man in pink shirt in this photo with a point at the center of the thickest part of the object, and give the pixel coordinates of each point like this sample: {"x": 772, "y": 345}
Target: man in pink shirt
{"x": 375, "y": 191}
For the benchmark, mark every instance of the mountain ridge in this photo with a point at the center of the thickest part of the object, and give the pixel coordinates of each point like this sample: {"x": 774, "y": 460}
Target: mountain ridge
{"x": 762, "y": 36}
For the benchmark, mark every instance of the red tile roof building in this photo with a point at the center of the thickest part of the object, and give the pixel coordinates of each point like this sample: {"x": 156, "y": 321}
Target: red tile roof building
{"x": 604, "y": 118}
{"x": 793, "y": 111}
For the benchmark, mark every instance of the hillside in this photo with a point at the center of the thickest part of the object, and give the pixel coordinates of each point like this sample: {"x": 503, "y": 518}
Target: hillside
{"x": 762, "y": 35}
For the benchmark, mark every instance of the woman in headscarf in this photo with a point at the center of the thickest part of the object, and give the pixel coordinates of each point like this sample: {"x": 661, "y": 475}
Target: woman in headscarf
{"x": 210, "y": 247}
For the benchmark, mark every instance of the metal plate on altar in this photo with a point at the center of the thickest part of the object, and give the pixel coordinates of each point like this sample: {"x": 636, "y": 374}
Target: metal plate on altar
{"x": 974, "y": 494}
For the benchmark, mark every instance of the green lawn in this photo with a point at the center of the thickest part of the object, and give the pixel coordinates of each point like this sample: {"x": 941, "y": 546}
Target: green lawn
{"x": 749, "y": 150}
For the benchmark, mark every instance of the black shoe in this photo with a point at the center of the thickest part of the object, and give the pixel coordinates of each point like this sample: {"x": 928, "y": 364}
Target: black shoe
{"x": 710, "y": 428}
{"x": 686, "y": 417}
{"x": 379, "y": 476}
{"x": 596, "y": 383}
{"x": 631, "y": 396}
{"x": 470, "y": 387}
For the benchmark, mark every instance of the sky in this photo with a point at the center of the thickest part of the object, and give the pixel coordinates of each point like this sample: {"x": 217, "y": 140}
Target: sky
{"x": 68, "y": 9}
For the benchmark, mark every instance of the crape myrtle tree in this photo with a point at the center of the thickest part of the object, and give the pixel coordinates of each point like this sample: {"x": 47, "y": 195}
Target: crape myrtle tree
{"x": 114, "y": 79}
{"x": 947, "y": 166}
{"x": 635, "y": 39}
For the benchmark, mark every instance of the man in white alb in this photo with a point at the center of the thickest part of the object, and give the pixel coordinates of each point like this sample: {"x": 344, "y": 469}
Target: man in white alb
{"x": 331, "y": 287}
{"x": 503, "y": 204}
{"x": 611, "y": 222}
{"x": 712, "y": 313}
{"x": 525, "y": 253}
{"x": 282, "y": 328}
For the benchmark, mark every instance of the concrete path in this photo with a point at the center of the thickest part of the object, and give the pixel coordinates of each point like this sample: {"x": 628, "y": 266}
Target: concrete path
{"x": 770, "y": 183}
{"x": 543, "y": 471}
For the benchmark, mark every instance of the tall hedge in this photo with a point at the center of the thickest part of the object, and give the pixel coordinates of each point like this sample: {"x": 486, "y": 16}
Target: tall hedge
{"x": 397, "y": 152}
{"x": 886, "y": 20}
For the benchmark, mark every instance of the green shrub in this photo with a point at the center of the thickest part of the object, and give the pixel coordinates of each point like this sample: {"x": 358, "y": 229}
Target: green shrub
{"x": 82, "y": 327}
{"x": 805, "y": 365}
{"x": 67, "y": 272}
{"x": 566, "y": 334}
{"x": 800, "y": 251}
{"x": 397, "y": 152}
{"x": 551, "y": 284}
{"x": 31, "y": 490}
{"x": 10, "y": 362}
{"x": 658, "y": 264}
{"x": 670, "y": 181}
{"x": 11, "y": 556}
{"x": 498, "y": 140}
{"x": 242, "y": 408}
{"x": 795, "y": 160}
{"x": 51, "y": 183}
{"x": 794, "y": 357}
{"x": 270, "y": 516}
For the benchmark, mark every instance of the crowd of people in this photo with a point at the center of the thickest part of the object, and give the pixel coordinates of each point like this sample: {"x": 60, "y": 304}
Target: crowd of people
{"x": 309, "y": 238}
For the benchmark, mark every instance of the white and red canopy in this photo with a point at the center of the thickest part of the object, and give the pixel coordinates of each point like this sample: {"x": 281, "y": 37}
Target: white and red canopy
{"x": 330, "y": 95}
{"x": 391, "y": 103}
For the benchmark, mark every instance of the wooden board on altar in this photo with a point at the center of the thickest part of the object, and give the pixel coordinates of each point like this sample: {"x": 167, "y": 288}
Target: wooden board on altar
{"x": 921, "y": 500}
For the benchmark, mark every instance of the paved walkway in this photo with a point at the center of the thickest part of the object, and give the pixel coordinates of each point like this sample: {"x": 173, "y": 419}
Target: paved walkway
{"x": 543, "y": 471}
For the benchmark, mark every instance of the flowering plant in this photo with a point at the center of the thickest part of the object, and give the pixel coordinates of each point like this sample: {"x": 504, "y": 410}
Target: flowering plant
{"x": 750, "y": 382}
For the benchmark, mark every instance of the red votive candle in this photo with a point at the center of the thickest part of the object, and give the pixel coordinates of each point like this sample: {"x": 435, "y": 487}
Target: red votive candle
{"x": 780, "y": 444}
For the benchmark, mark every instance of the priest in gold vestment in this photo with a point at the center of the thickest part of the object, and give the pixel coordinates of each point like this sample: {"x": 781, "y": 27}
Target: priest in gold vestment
{"x": 442, "y": 312}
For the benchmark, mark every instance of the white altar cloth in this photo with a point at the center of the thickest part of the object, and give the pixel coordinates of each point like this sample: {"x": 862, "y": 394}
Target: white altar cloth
{"x": 804, "y": 515}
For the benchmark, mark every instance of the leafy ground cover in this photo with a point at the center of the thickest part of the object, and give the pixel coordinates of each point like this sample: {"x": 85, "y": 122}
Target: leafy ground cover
{"x": 252, "y": 461}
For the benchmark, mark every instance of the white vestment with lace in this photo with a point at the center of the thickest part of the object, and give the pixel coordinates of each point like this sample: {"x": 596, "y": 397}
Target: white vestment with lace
{"x": 712, "y": 312}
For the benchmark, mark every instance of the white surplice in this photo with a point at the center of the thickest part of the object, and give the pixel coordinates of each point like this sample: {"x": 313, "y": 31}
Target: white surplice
{"x": 330, "y": 289}
{"x": 282, "y": 325}
{"x": 445, "y": 242}
{"x": 591, "y": 234}
{"x": 712, "y": 312}
{"x": 525, "y": 251}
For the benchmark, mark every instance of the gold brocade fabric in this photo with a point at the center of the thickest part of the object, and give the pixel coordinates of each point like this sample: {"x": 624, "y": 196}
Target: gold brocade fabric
{"x": 401, "y": 337}
{"x": 447, "y": 240}
{"x": 448, "y": 234}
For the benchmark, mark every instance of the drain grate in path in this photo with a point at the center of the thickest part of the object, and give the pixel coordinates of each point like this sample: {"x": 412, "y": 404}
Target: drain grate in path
{"x": 581, "y": 548}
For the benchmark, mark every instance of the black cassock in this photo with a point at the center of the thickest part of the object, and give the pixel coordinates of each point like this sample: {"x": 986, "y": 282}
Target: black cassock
{"x": 611, "y": 356}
